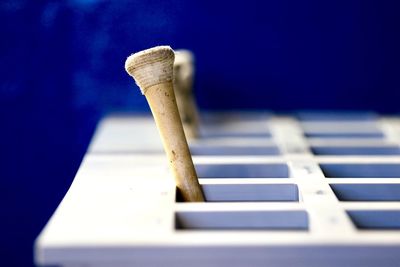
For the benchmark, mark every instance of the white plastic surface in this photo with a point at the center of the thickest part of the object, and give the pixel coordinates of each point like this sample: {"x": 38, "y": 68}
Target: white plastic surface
{"x": 283, "y": 208}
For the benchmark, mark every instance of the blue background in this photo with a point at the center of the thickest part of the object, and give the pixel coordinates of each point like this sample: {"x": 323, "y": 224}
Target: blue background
{"x": 62, "y": 69}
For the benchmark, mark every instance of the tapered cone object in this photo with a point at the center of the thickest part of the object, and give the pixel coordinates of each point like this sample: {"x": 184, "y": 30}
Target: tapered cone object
{"x": 183, "y": 84}
{"x": 152, "y": 69}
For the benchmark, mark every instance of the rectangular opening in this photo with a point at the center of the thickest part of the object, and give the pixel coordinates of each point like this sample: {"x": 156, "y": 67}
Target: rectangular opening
{"x": 339, "y": 135}
{"x": 376, "y": 219}
{"x": 361, "y": 170}
{"x": 249, "y": 193}
{"x": 361, "y": 151}
{"x": 337, "y": 116}
{"x": 367, "y": 192}
{"x": 276, "y": 170}
{"x": 242, "y": 220}
{"x": 246, "y": 128}
{"x": 232, "y": 116}
{"x": 216, "y": 150}
{"x": 235, "y": 134}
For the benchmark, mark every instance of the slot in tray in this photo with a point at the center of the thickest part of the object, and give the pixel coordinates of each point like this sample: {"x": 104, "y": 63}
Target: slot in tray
{"x": 228, "y": 134}
{"x": 250, "y": 192}
{"x": 361, "y": 170}
{"x": 339, "y": 135}
{"x": 235, "y": 129}
{"x": 376, "y": 219}
{"x": 233, "y": 150}
{"x": 367, "y": 192}
{"x": 278, "y": 170}
{"x": 242, "y": 220}
{"x": 337, "y": 116}
{"x": 343, "y": 150}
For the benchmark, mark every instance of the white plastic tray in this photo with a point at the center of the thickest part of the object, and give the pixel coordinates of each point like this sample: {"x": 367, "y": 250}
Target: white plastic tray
{"x": 281, "y": 191}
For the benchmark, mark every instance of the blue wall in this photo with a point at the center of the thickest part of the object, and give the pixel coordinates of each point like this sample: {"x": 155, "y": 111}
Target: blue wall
{"x": 62, "y": 68}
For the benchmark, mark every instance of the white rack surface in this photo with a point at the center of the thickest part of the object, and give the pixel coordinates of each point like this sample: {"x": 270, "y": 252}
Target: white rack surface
{"x": 302, "y": 190}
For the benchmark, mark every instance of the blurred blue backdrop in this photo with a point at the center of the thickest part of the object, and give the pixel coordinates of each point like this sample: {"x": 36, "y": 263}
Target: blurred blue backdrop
{"x": 62, "y": 68}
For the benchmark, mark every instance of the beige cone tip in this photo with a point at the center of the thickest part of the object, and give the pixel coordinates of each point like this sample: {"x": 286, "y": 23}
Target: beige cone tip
{"x": 151, "y": 66}
{"x": 183, "y": 56}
